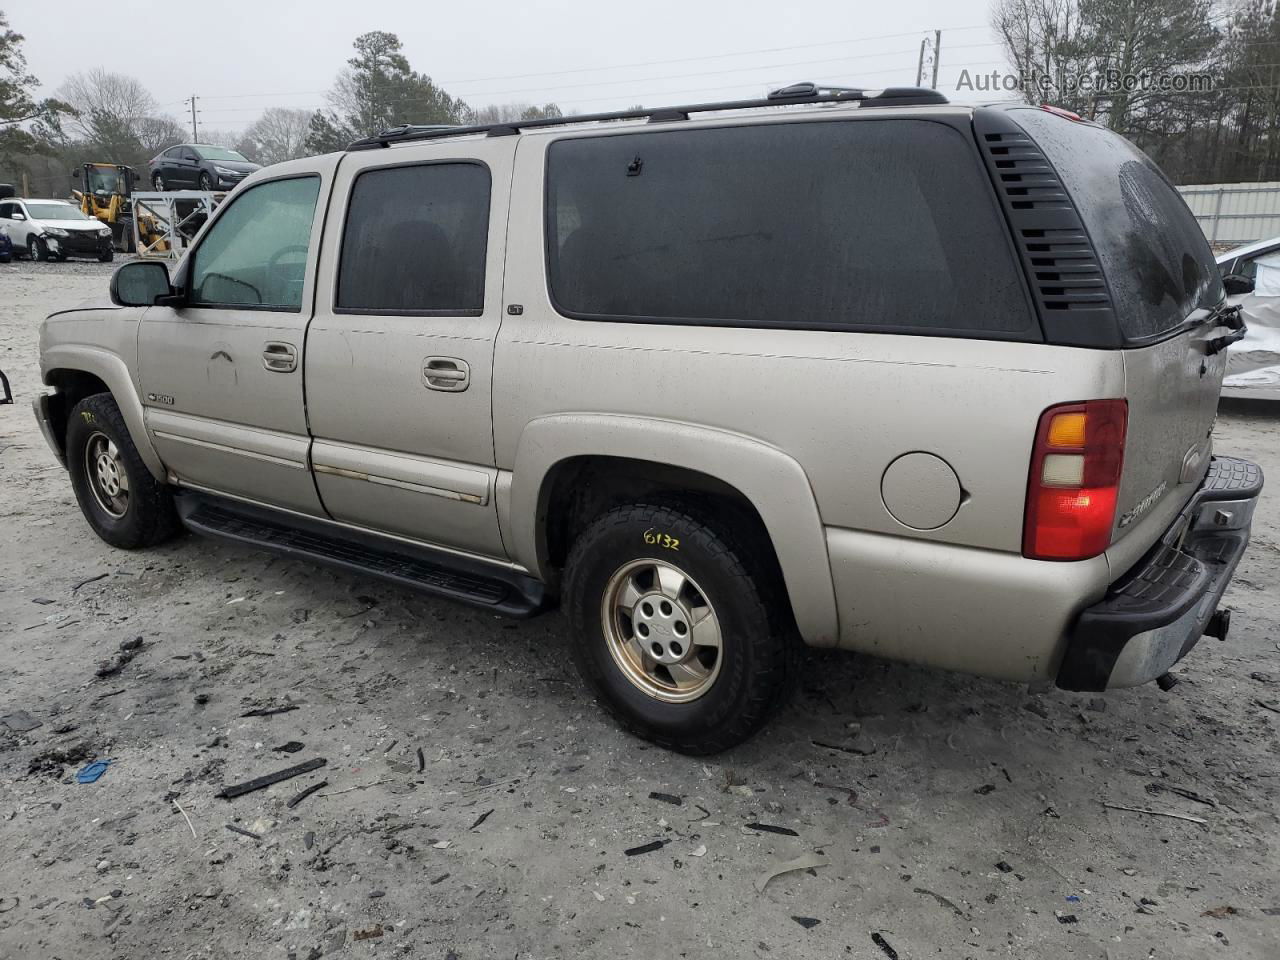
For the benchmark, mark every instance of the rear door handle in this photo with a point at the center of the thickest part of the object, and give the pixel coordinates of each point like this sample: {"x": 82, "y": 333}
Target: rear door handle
{"x": 280, "y": 357}
{"x": 446, "y": 373}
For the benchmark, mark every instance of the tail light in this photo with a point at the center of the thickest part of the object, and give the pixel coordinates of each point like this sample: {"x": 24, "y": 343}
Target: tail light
{"x": 1075, "y": 474}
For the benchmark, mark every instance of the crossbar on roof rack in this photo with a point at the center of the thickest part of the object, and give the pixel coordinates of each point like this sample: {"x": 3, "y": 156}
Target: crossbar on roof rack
{"x": 794, "y": 95}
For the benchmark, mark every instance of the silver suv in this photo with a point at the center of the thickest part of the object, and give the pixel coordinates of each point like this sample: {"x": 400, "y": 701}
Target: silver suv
{"x": 849, "y": 369}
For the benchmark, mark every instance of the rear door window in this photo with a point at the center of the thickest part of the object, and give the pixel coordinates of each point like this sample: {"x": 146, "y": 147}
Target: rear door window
{"x": 415, "y": 240}
{"x": 856, "y": 224}
{"x": 1157, "y": 262}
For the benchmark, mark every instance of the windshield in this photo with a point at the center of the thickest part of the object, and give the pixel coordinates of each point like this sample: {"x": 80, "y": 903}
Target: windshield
{"x": 54, "y": 211}
{"x": 219, "y": 153}
{"x": 106, "y": 180}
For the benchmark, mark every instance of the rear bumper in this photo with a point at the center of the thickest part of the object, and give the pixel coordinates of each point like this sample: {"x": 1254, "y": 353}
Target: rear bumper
{"x": 1152, "y": 617}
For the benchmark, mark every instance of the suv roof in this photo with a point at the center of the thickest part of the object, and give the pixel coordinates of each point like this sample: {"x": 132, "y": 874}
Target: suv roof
{"x": 794, "y": 95}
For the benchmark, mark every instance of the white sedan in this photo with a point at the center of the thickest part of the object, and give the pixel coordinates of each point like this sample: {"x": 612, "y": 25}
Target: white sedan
{"x": 53, "y": 229}
{"x": 1251, "y": 275}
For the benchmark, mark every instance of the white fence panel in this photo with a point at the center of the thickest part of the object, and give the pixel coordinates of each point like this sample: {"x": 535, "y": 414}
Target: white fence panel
{"x": 1231, "y": 214}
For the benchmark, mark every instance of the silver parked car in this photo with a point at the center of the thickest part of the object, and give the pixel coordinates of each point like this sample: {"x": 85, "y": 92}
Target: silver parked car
{"x": 1251, "y": 275}
{"x": 871, "y": 371}
{"x": 54, "y": 230}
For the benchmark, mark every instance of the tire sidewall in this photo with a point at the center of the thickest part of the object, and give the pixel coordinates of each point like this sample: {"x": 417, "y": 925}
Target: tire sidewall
{"x": 744, "y": 626}
{"x": 90, "y": 417}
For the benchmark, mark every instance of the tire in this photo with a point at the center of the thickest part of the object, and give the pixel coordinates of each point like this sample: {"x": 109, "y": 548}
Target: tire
{"x": 745, "y": 679}
{"x": 106, "y": 256}
{"x": 206, "y": 183}
{"x": 146, "y": 516}
{"x": 36, "y": 249}
{"x": 157, "y": 181}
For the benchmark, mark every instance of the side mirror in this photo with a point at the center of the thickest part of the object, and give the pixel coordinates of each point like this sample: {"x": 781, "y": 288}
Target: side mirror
{"x": 140, "y": 284}
{"x": 1237, "y": 285}
{"x": 17, "y": 216}
{"x": 76, "y": 173}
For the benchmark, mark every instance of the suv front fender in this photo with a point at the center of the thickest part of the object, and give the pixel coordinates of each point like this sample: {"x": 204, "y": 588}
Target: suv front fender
{"x": 774, "y": 483}
{"x": 114, "y": 373}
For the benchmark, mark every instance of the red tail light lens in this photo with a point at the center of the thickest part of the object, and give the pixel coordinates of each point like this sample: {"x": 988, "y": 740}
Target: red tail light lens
{"x": 1075, "y": 474}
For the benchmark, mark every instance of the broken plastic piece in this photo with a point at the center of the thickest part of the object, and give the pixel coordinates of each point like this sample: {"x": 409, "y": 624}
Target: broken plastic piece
{"x": 770, "y": 828}
{"x": 807, "y": 862}
{"x": 266, "y": 780}
{"x": 645, "y": 848}
{"x": 297, "y": 799}
{"x": 91, "y": 773}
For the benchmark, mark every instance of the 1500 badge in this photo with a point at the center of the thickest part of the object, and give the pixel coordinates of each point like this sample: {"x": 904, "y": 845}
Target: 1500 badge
{"x": 160, "y": 398}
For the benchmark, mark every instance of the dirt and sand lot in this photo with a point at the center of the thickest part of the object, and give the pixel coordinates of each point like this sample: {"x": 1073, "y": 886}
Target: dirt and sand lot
{"x": 479, "y": 805}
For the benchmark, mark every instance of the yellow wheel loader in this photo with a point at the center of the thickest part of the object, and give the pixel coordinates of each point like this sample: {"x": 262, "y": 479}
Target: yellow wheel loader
{"x": 105, "y": 193}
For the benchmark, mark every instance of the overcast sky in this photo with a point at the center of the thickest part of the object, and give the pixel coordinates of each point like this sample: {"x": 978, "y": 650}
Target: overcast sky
{"x": 241, "y": 57}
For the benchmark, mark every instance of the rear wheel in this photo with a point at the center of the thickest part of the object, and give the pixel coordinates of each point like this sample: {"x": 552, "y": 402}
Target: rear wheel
{"x": 685, "y": 637}
{"x": 124, "y": 504}
{"x": 157, "y": 181}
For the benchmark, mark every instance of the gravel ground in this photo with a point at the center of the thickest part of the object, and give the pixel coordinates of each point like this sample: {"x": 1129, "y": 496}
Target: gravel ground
{"x": 479, "y": 805}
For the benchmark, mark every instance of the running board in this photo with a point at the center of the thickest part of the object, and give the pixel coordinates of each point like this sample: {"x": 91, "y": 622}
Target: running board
{"x": 472, "y": 582}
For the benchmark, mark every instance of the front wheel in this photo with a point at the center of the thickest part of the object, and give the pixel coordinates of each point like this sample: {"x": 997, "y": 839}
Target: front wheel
{"x": 158, "y": 182}
{"x": 106, "y": 256}
{"x": 679, "y": 628}
{"x": 206, "y": 184}
{"x": 124, "y": 504}
{"x": 36, "y": 249}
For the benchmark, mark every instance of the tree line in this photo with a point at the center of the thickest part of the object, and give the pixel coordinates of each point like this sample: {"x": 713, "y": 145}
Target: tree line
{"x": 101, "y": 116}
{"x": 1224, "y": 131}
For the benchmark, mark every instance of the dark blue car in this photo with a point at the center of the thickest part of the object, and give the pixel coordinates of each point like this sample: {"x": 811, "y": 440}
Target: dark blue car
{"x": 6, "y": 249}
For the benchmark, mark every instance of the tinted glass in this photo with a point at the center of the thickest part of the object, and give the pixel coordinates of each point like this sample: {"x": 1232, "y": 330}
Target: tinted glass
{"x": 5, "y": 210}
{"x": 220, "y": 153}
{"x": 884, "y": 223}
{"x": 1157, "y": 262}
{"x": 415, "y": 240}
{"x": 255, "y": 254}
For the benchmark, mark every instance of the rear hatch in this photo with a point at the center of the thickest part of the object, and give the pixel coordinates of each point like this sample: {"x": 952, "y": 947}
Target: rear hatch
{"x": 1163, "y": 286}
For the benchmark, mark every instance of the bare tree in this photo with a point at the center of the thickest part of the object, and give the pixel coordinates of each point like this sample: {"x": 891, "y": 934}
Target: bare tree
{"x": 504, "y": 112}
{"x": 279, "y": 134}
{"x": 158, "y": 133}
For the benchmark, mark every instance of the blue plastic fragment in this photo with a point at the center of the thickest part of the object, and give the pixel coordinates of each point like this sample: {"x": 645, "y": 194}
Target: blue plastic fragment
{"x": 1073, "y": 899}
{"x": 92, "y": 772}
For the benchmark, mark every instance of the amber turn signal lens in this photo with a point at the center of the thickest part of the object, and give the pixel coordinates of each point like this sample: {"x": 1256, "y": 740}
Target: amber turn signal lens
{"x": 1066, "y": 430}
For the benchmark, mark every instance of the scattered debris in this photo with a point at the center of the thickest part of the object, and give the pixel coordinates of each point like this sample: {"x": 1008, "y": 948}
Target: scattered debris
{"x": 1004, "y": 867}
{"x": 293, "y": 746}
{"x": 422, "y": 761}
{"x": 883, "y": 944}
{"x": 118, "y": 660}
{"x": 368, "y": 933}
{"x": 856, "y": 751}
{"x": 174, "y": 801}
{"x": 942, "y": 900}
{"x": 299, "y": 797}
{"x": 361, "y": 786}
{"x": 851, "y": 794}
{"x": 770, "y": 828}
{"x": 309, "y": 839}
{"x": 807, "y": 922}
{"x": 667, "y": 798}
{"x": 85, "y": 583}
{"x": 482, "y": 818}
{"x": 1067, "y": 918}
{"x": 1154, "y": 788}
{"x": 986, "y": 788}
{"x": 443, "y": 844}
{"x": 270, "y": 711}
{"x": 1097, "y": 705}
{"x": 266, "y": 780}
{"x": 646, "y": 848}
{"x": 809, "y": 861}
{"x": 1154, "y": 813}
{"x": 92, "y": 773}
{"x": 699, "y": 851}
{"x": 1262, "y": 677}
{"x": 1221, "y": 913}
{"x": 20, "y": 721}
{"x": 1039, "y": 709}
{"x": 243, "y": 832}
{"x": 1272, "y": 705}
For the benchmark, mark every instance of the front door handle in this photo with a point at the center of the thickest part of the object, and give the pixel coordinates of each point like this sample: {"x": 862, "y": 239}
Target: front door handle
{"x": 280, "y": 357}
{"x": 446, "y": 373}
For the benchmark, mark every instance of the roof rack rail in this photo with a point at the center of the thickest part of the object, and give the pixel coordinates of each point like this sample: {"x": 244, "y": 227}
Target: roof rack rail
{"x": 797, "y": 93}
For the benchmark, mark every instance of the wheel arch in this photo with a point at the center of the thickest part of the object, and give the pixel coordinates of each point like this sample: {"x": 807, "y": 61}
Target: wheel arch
{"x": 554, "y": 453}
{"x": 79, "y": 372}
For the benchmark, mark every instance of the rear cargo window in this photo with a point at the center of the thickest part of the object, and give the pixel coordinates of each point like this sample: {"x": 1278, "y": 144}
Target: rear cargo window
{"x": 884, "y": 224}
{"x": 1157, "y": 262}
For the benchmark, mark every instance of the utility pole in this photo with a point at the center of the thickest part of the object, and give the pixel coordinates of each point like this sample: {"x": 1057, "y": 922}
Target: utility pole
{"x": 920, "y": 63}
{"x": 937, "y": 55}
{"x": 934, "y": 48}
{"x": 195, "y": 135}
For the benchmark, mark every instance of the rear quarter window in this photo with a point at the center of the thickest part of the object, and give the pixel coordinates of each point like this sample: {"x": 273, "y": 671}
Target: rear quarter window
{"x": 1157, "y": 263}
{"x": 855, "y": 224}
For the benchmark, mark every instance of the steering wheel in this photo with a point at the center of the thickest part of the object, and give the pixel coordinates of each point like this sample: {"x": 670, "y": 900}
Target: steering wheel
{"x": 222, "y": 276}
{"x": 284, "y": 252}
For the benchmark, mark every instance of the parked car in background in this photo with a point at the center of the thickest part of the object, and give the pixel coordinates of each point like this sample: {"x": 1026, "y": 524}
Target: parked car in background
{"x": 1251, "y": 275}
{"x": 199, "y": 166}
{"x": 54, "y": 229}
